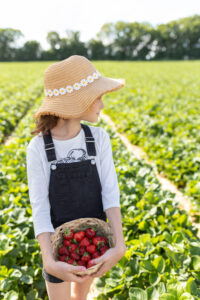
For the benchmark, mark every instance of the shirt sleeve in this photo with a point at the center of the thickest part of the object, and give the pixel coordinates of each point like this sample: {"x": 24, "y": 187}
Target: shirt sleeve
{"x": 109, "y": 181}
{"x": 38, "y": 193}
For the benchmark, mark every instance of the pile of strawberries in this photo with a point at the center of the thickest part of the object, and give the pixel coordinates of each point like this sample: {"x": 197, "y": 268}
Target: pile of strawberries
{"x": 79, "y": 248}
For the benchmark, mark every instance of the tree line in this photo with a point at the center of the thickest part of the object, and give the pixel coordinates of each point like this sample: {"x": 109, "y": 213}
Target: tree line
{"x": 175, "y": 40}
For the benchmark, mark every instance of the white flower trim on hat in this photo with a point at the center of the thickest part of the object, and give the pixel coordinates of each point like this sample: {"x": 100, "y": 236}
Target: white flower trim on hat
{"x": 76, "y": 86}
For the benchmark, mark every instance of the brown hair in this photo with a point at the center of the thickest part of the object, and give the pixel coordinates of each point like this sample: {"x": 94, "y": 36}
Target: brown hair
{"x": 44, "y": 123}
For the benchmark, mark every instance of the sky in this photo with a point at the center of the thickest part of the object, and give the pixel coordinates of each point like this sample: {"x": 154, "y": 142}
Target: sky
{"x": 35, "y": 18}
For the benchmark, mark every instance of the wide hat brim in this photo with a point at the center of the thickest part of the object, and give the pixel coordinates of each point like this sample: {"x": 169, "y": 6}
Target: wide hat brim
{"x": 73, "y": 105}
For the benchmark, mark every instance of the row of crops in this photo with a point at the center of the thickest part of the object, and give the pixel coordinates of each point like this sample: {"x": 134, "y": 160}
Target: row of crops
{"x": 20, "y": 257}
{"x": 20, "y": 84}
{"x": 162, "y": 261}
{"x": 158, "y": 110}
{"x": 163, "y": 256}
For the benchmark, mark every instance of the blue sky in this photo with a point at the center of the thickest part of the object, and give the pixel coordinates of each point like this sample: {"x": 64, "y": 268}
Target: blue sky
{"x": 35, "y": 18}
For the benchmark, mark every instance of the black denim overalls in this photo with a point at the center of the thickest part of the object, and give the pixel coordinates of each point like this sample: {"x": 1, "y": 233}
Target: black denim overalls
{"x": 74, "y": 188}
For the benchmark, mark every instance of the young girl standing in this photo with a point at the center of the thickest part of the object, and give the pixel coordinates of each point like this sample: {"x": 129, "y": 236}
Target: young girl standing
{"x": 70, "y": 170}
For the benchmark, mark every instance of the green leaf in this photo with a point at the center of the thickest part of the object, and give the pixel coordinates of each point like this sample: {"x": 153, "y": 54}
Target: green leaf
{"x": 102, "y": 297}
{"x": 11, "y": 295}
{"x": 6, "y": 285}
{"x": 161, "y": 288}
{"x": 196, "y": 262}
{"x": 145, "y": 238}
{"x": 119, "y": 297}
{"x": 194, "y": 248}
{"x": 177, "y": 237}
{"x": 159, "y": 264}
{"x": 167, "y": 236}
{"x": 152, "y": 293}
{"x": 147, "y": 265}
{"x": 167, "y": 296}
{"x": 137, "y": 294}
{"x": 186, "y": 296}
{"x": 3, "y": 272}
{"x": 143, "y": 225}
{"x": 27, "y": 279}
{"x": 32, "y": 295}
{"x": 109, "y": 289}
{"x": 16, "y": 274}
{"x": 191, "y": 286}
{"x": 4, "y": 247}
{"x": 154, "y": 278}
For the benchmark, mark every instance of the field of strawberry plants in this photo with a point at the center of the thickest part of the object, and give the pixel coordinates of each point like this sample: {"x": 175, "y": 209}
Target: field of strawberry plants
{"x": 158, "y": 110}
{"x": 161, "y": 262}
{"x": 163, "y": 251}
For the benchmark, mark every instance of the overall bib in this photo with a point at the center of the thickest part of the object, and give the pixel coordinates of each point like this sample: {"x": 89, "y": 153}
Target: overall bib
{"x": 74, "y": 188}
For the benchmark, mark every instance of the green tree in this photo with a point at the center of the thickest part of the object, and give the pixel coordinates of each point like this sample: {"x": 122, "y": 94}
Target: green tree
{"x": 8, "y": 37}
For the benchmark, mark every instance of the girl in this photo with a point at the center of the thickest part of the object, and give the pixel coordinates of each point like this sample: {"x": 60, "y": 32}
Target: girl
{"x": 70, "y": 170}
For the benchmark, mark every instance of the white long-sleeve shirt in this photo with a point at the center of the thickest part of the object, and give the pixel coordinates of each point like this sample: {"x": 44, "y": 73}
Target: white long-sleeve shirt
{"x": 71, "y": 150}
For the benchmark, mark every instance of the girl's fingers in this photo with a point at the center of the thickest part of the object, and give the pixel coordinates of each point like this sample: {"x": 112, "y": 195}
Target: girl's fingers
{"x": 73, "y": 269}
{"x": 97, "y": 274}
{"x": 102, "y": 271}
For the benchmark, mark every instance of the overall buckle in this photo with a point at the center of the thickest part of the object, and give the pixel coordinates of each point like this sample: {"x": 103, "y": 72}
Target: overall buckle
{"x": 89, "y": 139}
{"x": 46, "y": 148}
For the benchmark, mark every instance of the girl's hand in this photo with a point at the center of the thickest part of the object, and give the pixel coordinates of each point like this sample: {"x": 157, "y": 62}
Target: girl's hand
{"x": 66, "y": 271}
{"x": 109, "y": 259}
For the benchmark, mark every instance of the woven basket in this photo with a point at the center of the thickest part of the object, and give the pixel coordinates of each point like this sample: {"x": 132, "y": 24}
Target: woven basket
{"x": 100, "y": 226}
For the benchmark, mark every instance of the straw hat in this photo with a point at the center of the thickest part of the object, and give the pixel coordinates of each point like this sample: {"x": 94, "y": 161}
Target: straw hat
{"x": 72, "y": 85}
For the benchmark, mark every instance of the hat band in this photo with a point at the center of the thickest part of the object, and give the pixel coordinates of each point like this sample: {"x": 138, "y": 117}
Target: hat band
{"x": 71, "y": 88}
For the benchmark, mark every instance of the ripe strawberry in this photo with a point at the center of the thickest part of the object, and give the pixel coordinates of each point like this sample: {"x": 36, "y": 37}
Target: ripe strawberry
{"x": 70, "y": 261}
{"x": 105, "y": 239}
{"x": 91, "y": 248}
{"x": 98, "y": 241}
{"x": 89, "y": 264}
{"x": 74, "y": 241}
{"x": 81, "y": 263}
{"x": 76, "y": 250}
{"x": 74, "y": 255}
{"x": 96, "y": 254}
{"x": 86, "y": 256}
{"x": 81, "y": 250}
{"x": 63, "y": 250}
{"x": 84, "y": 242}
{"x": 66, "y": 243}
{"x": 72, "y": 247}
{"x": 68, "y": 234}
{"x": 104, "y": 249}
{"x": 90, "y": 233}
{"x": 79, "y": 235}
{"x": 62, "y": 257}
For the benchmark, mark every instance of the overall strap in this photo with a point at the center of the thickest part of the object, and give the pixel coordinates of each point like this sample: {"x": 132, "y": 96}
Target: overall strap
{"x": 89, "y": 139}
{"x": 50, "y": 148}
